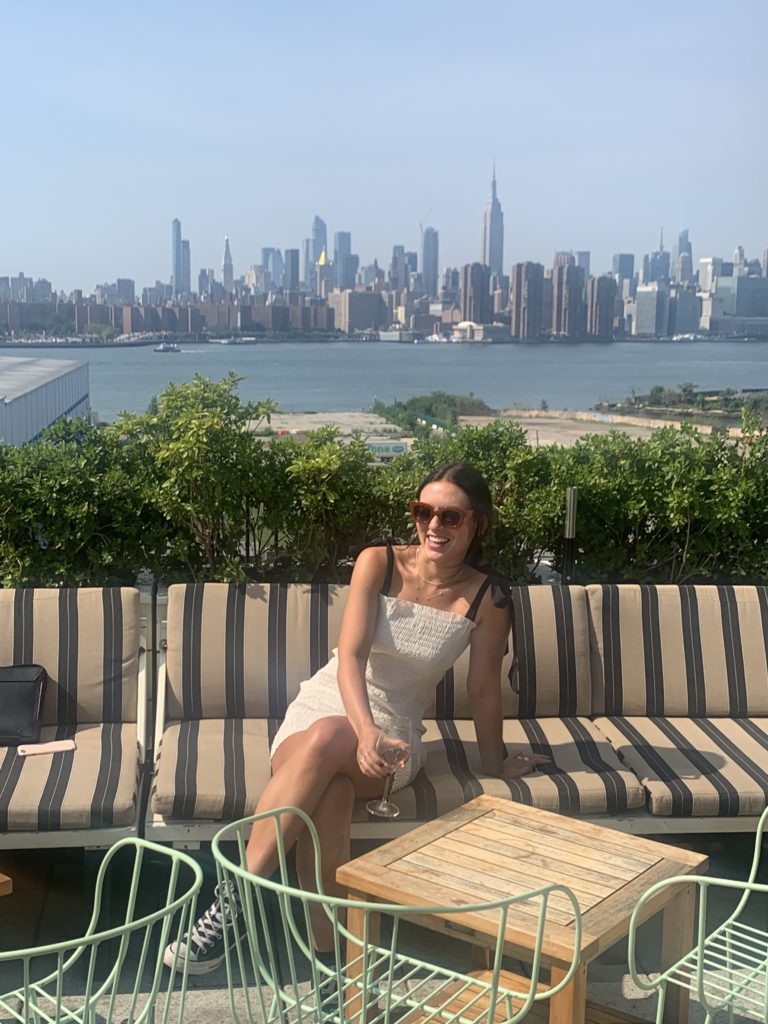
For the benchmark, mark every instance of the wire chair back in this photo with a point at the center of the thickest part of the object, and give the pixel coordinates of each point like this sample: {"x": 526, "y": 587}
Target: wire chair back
{"x": 113, "y": 972}
{"x": 381, "y": 968}
{"x": 726, "y": 969}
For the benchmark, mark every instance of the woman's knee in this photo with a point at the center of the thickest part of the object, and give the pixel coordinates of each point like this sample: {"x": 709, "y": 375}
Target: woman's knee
{"x": 330, "y": 738}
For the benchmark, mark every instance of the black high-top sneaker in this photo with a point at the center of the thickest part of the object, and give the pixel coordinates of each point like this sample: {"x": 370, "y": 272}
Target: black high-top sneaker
{"x": 204, "y": 947}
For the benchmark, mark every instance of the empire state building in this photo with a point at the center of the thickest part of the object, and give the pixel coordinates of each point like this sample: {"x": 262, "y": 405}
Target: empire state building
{"x": 493, "y": 231}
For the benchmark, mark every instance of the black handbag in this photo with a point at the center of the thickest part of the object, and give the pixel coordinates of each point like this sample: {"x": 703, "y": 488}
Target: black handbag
{"x": 22, "y": 688}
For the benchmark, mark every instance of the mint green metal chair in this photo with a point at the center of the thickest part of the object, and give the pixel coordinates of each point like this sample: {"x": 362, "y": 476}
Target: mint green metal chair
{"x": 116, "y": 973}
{"x": 727, "y": 969}
{"x": 392, "y": 973}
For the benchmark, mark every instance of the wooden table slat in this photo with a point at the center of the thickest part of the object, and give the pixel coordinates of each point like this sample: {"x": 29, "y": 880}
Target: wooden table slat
{"x": 516, "y": 863}
{"x": 441, "y": 879}
{"x": 635, "y": 846}
{"x": 487, "y": 886}
{"x": 579, "y": 853}
{"x": 580, "y": 843}
{"x": 424, "y": 834}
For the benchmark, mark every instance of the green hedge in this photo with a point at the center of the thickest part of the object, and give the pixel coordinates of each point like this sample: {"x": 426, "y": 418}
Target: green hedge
{"x": 188, "y": 490}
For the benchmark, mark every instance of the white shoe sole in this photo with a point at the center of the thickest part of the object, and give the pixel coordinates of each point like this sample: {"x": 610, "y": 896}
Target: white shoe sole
{"x": 171, "y": 959}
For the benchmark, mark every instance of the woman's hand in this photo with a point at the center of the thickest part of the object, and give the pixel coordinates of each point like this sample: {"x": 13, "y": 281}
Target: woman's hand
{"x": 515, "y": 765}
{"x": 369, "y": 761}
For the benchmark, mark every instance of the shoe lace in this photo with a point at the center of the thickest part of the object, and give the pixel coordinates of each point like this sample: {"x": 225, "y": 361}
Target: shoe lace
{"x": 209, "y": 928}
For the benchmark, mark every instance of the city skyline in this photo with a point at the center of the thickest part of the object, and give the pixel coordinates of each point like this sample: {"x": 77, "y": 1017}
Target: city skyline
{"x": 662, "y": 262}
{"x": 595, "y": 122}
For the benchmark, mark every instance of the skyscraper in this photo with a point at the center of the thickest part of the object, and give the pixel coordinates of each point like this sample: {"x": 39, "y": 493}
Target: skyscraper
{"x": 276, "y": 268}
{"x": 493, "y": 231}
{"x": 476, "y": 293}
{"x": 177, "y": 271}
{"x": 308, "y": 263}
{"x": 526, "y": 288}
{"x": 291, "y": 270}
{"x": 601, "y": 302}
{"x": 319, "y": 238}
{"x": 567, "y": 300}
{"x": 652, "y": 305}
{"x": 624, "y": 265}
{"x": 398, "y": 269}
{"x": 430, "y": 248}
{"x": 682, "y": 264}
{"x": 186, "y": 271}
{"x": 347, "y": 276}
{"x": 583, "y": 260}
{"x": 227, "y": 273}
{"x": 656, "y": 265}
{"x": 342, "y": 249}
{"x": 323, "y": 276}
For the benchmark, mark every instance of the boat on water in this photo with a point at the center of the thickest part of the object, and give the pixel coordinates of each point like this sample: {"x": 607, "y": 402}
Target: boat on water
{"x": 167, "y": 346}
{"x": 431, "y": 339}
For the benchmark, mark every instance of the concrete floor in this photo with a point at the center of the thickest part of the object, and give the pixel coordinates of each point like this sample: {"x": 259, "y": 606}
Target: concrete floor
{"x": 51, "y": 901}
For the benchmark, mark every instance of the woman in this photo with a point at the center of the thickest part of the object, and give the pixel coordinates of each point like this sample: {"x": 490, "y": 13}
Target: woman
{"x": 411, "y": 611}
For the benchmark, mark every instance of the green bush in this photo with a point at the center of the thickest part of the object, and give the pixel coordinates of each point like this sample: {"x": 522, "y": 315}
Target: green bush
{"x": 190, "y": 490}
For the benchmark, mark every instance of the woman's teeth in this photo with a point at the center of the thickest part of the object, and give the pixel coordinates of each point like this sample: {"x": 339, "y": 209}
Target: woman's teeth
{"x": 436, "y": 540}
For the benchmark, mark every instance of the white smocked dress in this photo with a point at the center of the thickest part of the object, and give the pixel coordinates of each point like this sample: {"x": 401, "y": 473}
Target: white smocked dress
{"x": 413, "y": 647}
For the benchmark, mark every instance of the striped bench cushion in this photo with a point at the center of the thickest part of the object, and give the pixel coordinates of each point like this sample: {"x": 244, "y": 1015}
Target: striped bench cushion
{"x": 87, "y": 639}
{"x": 689, "y": 651}
{"x": 213, "y": 768}
{"x": 695, "y": 766}
{"x": 243, "y": 651}
{"x": 216, "y": 769}
{"x": 585, "y": 776}
{"x": 553, "y": 670}
{"x": 94, "y": 786}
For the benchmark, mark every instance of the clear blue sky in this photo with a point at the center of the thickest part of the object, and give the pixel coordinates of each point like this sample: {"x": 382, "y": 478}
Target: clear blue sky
{"x": 606, "y": 120}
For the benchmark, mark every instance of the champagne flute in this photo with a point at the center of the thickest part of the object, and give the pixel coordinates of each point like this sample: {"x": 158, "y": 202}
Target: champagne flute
{"x": 395, "y": 752}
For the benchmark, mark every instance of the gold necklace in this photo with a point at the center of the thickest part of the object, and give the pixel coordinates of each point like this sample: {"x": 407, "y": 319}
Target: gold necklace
{"x": 441, "y": 587}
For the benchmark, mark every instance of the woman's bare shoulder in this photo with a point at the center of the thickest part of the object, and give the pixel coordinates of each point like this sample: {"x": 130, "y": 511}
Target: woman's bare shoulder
{"x": 372, "y": 557}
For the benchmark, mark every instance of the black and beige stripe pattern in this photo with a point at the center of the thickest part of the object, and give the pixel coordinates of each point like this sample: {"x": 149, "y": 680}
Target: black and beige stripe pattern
{"x": 584, "y": 777}
{"x": 552, "y": 675}
{"x": 88, "y": 642}
{"x": 694, "y": 767}
{"x": 693, "y": 651}
{"x": 679, "y": 673}
{"x": 236, "y": 658}
{"x": 242, "y": 651}
{"x": 213, "y": 768}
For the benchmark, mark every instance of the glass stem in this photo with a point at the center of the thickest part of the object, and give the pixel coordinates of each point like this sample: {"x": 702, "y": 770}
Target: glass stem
{"x": 387, "y": 788}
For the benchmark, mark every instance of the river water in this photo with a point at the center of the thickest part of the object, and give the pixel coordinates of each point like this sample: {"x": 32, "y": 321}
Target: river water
{"x": 342, "y": 376}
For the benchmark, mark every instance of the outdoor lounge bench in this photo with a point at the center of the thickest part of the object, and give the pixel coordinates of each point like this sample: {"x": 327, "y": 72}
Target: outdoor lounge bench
{"x": 651, "y": 701}
{"x": 88, "y": 641}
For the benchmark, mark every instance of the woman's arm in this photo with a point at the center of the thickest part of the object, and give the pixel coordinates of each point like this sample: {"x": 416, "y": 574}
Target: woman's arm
{"x": 486, "y": 653}
{"x": 357, "y": 629}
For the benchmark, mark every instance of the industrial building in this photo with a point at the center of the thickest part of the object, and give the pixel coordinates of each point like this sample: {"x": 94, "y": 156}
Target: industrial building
{"x": 36, "y": 392}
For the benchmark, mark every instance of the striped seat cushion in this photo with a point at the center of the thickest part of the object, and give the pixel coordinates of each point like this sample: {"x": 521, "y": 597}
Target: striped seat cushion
{"x": 585, "y": 776}
{"x": 87, "y": 639}
{"x": 216, "y": 769}
{"x": 213, "y": 768}
{"x": 695, "y": 766}
{"x": 688, "y": 651}
{"x": 243, "y": 651}
{"x": 94, "y": 786}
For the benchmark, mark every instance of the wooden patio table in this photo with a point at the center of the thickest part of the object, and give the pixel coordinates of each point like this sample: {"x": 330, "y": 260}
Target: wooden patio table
{"x": 491, "y": 848}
